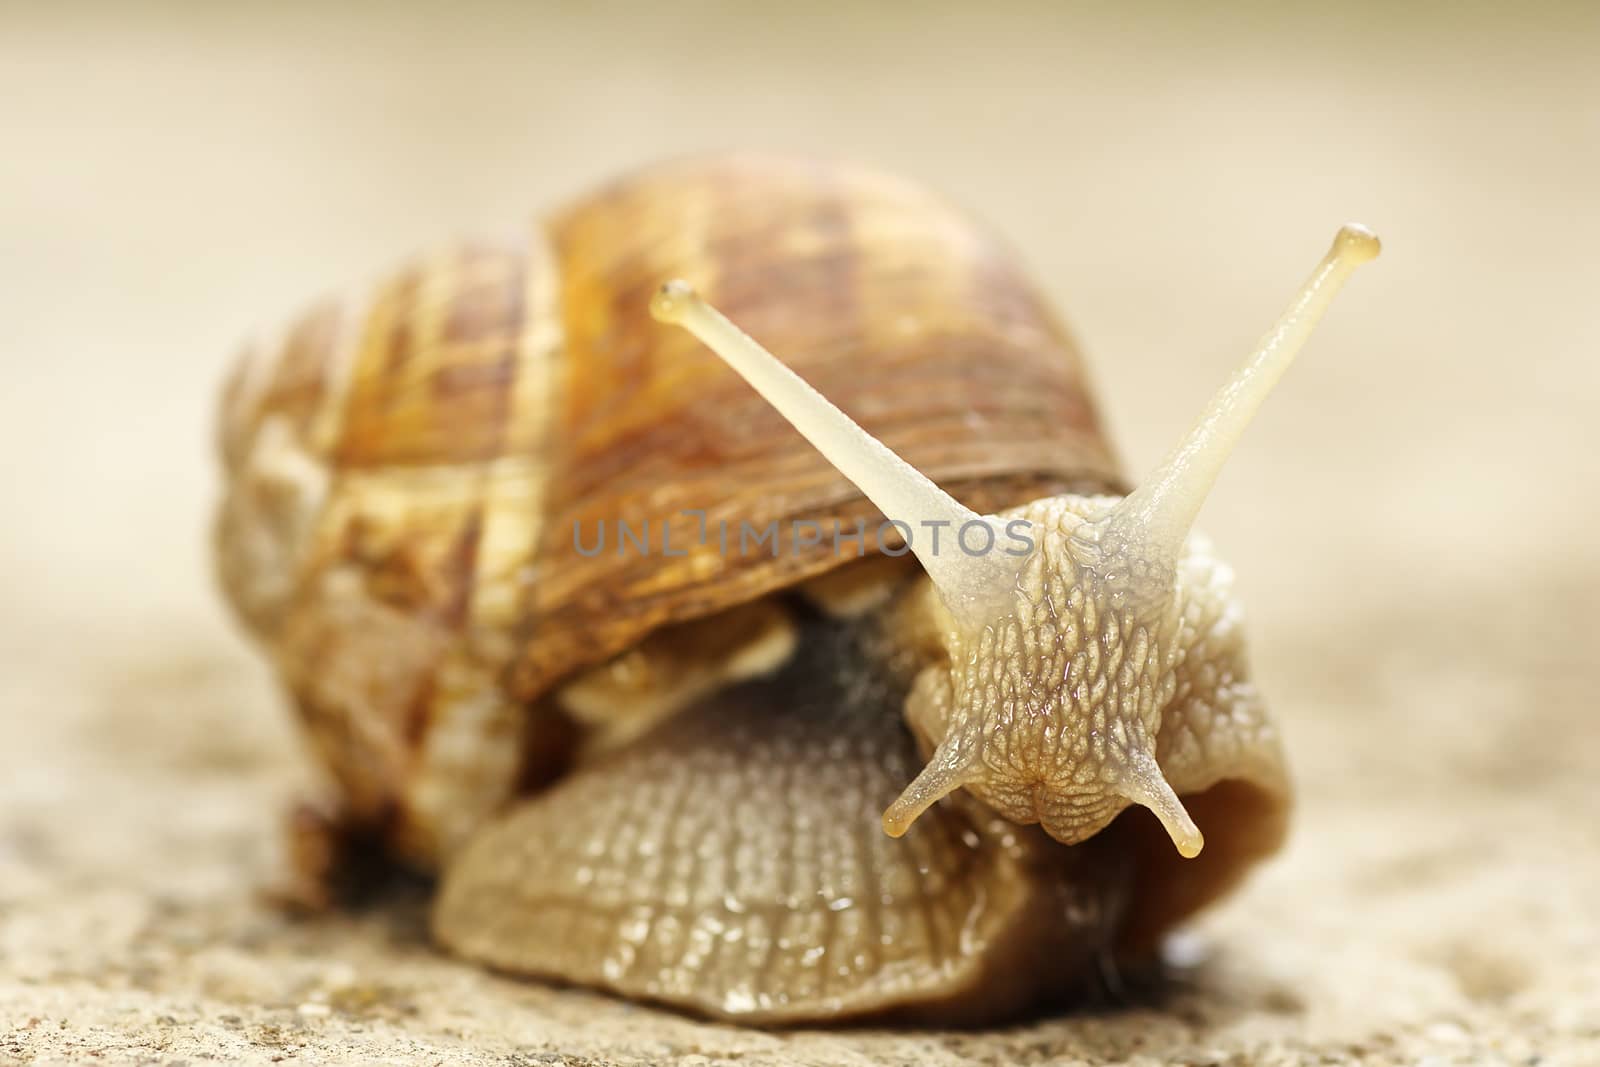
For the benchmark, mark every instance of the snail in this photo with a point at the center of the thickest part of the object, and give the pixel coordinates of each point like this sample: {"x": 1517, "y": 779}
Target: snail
{"x": 773, "y": 752}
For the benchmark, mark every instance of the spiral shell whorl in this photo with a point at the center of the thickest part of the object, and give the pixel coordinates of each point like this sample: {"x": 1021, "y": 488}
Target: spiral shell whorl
{"x": 385, "y": 478}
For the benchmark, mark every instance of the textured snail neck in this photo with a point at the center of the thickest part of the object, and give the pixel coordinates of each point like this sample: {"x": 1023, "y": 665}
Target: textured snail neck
{"x": 1050, "y": 713}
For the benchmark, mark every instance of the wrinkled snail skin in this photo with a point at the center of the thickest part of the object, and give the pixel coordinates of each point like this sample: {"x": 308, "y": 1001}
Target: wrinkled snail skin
{"x": 782, "y": 786}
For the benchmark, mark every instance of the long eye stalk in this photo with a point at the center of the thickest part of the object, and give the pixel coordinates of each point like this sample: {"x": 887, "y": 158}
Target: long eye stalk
{"x": 971, "y": 585}
{"x": 1154, "y": 519}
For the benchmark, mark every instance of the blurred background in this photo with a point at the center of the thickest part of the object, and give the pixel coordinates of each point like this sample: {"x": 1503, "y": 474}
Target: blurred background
{"x": 1411, "y": 517}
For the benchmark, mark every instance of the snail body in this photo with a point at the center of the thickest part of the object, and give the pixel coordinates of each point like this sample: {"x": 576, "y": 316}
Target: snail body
{"x": 843, "y": 774}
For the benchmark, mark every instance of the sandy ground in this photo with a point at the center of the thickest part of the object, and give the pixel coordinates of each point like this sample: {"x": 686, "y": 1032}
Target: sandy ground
{"x": 1412, "y": 519}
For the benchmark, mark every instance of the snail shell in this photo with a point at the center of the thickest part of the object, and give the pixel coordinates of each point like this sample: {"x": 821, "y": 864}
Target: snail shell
{"x": 659, "y": 772}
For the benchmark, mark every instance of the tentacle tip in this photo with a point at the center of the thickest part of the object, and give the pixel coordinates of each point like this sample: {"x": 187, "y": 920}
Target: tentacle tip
{"x": 1356, "y": 244}
{"x": 907, "y": 808}
{"x": 937, "y": 780}
{"x": 1146, "y": 785}
{"x": 896, "y": 823}
{"x": 672, "y": 300}
{"x": 1189, "y": 844}
{"x": 918, "y": 797}
{"x": 1186, "y": 836}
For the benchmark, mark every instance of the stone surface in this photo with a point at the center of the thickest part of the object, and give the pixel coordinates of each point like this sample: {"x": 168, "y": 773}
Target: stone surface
{"x": 1412, "y": 520}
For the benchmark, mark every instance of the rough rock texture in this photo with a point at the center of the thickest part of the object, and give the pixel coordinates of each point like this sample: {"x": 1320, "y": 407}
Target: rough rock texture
{"x": 1412, "y": 520}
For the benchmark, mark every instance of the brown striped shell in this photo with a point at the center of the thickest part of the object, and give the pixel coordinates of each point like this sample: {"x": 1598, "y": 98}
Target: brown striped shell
{"x": 383, "y": 463}
{"x": 406, "y": 468}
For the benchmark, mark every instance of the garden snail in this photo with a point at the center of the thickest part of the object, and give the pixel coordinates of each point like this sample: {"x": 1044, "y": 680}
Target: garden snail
{"x": 812, "y": 780}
